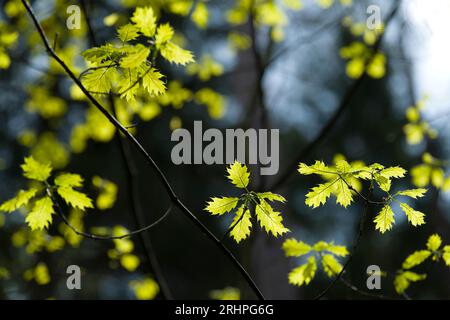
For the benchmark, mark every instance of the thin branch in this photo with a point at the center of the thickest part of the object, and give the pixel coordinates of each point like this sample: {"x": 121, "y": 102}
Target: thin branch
{"x": 344, "y": 103}
{"x": 362, "y": 223}
{"x": 378, "y": 203}
{"x": 138, "y": 216}
{"x": 55, "y": 41}
{"x": 173, "y": 196}
{"x": 303, "y": 40}
{"x": 101, "y": 237}
{"x": 96, "y": 68}
{"x": 354, "y": 288}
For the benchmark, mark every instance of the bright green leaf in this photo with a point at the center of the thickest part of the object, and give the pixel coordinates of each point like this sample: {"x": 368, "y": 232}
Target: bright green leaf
{"x": 145, "y": 20}
{"x": 269, "y": 219}
{"x": 330, "y": 265}
{"x": 294, "y": 248}
{"x": 384, "y": 219}
{"x": 403, "y": 280}
{"x": 40, "y": 216}
{"x": 35, "y": 170}
{"x": 238, "y": 175}
{"x": 415, "y": 259}
{"x": 75, "y": 198}
{"x": 434, "y": 242}
{"x": 21, "y": 199}
{"x": 304, "y": 274}
{"x": 416, "y": 218}
{"x": 219, "y": 206}
{"x": 241, "y": 225}
{"x": 413, "y": 193}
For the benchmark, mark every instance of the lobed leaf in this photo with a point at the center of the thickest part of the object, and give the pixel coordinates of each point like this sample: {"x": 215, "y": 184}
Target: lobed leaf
{"x": 384, "y": 219}
{"x": 238, "y": 175}
{"x": 219, "y": 206}
{"x": 294, "y": 248}
{"x": 35, "y": 170}
{"x": 40, "y": 216}
{"x": 241, "y": 225}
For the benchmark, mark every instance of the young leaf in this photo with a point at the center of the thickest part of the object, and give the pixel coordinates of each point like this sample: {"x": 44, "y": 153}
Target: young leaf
{"x": 393, "y": 172}
{"x": 344, "y": 195}
{"x": 434, "y": 242}
{"x": 330, "y": 247}
{"x": 319, "y": 195}
{"x": 241, "y": 225}
{"x": 413, "y": 193}
{"x": 128, "y": 32}
{"x": 303, "y": 274}
{"x": 100, "y": 80}
{"x": 340, "y": 251}
{"x": 151, "y": 81}
{"x": 41, "y": 215}
{"x": 446, "y": 255}
{"x": 383, "y": 182}
{"x": 269, "y": 219}
{"x": 294, "y": 248}
{"x": 69, "y": 180}
{"x": 403, "y": 280}
{"x": 385, "y": 219}
{"x": 415, "y": 217}
{"x": 145, "y": 20}
{"x": 97, "y": 55}
{"x": 320, "y": 246}
{"x": 219, "y": 206}
{"x": 238, "y": 175}
{"x": 271, "y": 196}
{"x": 75, "y": 198}
{"x": 317, "y": 168}
{"x": 173, "y": 53}
{"x": 163, "y": 35}
{"x": 330, "y": 265}
{"x": 415, "y": 259}
{"x": 35, "y": 170}
{"x": 21, "y": 199}
{"x": 135, "y": 57}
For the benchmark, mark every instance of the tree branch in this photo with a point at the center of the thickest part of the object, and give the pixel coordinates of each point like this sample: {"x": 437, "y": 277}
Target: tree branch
{"x": 362, "y": 223}
{"x": 354, "y": 288}
{"x": 101, "y": 237}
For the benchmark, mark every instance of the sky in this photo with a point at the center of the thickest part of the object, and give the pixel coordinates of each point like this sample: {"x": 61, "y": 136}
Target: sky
{"x": 430, "y": 51}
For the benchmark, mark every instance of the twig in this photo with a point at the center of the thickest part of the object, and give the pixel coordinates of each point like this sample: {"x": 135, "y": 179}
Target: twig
{"x": 96, "y": 68}
{"x": 101, "y": 237}
{"x": 173, "y": 196}
{"x": 55, "y": 41}
{"x": 364, "y": 293}
{"x": 138, "y": 216}
{"x": 355, "y": 247}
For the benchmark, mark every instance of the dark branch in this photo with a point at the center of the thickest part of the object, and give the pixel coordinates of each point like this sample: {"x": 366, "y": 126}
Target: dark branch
{"x": 362, "y": 223}
{"x": 101, "y": 237}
